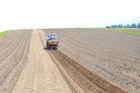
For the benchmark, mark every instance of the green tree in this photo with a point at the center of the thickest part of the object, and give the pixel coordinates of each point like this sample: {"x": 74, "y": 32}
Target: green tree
{"x": 138, "y": 25}
{"x": 128, "y": 26}
{"x": 125, "y": 26}
{"x": 133, "y": 25}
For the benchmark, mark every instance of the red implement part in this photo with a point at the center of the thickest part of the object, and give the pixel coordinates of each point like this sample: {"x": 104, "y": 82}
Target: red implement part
{"x": 53, "y": 45}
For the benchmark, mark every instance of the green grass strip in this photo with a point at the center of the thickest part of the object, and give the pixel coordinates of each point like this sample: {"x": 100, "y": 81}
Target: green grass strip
{"x": 127, "y": 28}
{"x": 118, "y": 30}
{"x": 134, "y": 33}
{"x": 96, "y": 28}
{"x": 3, "y": 33}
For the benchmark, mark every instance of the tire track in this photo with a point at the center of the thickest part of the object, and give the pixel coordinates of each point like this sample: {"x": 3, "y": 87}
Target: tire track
{"x": 85, "y": 78}
{"x": 75, "y": 88}
{"x": 12, "y": 64}
{"x": 6, "y": 51}
{"x": 40, "y": 74}
{"x": 13, "y": 61}
{"x": 20, "y": 66}
{"x": 11, "y": 55}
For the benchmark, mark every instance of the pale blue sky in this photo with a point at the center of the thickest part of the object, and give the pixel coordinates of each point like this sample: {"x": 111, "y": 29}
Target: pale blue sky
{"x": 67, "y": 13}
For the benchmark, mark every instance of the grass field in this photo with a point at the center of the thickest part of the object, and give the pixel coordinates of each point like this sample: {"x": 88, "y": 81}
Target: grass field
{"x": 2, "y": 33}
{"x": 124, "y": 30}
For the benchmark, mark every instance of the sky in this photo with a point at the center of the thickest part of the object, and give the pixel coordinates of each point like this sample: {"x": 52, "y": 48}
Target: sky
{"x": 17, "y": 14}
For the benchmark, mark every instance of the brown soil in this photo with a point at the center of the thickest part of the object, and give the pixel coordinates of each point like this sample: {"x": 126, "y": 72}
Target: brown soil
{"x": 114, "y": 55}
{"x": 13, "y": 55}
{"x": 40, "y": 74}
{"x": 88, "y": 80}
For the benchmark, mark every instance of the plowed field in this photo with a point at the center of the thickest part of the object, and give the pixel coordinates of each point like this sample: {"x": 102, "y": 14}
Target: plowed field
{"x": 114, "y": 55}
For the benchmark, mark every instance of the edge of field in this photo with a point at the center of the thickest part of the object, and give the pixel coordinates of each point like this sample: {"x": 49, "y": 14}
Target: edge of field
{"x": 124, "y": 30}
{"x": 3, "y": 33}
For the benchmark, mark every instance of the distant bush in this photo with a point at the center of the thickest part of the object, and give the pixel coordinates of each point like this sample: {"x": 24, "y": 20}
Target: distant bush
{"x": 138, "y": 25}
{"x": 128, "y": 26}
{"x": 108, "y": 27}
{"x": 134, "y": 25}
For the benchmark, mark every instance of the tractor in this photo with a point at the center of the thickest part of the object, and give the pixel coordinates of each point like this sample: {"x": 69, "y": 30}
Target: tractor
{"x": 52, "y": 42}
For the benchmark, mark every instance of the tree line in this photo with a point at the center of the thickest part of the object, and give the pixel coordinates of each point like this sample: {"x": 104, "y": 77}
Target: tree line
{"x": 134, "y": 25}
